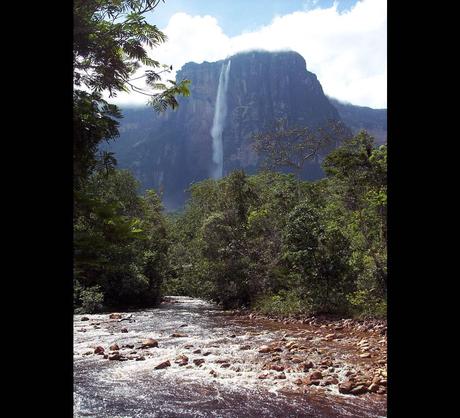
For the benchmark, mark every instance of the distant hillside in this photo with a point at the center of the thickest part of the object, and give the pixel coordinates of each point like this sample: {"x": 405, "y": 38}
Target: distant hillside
{"x": 358, "y": 118}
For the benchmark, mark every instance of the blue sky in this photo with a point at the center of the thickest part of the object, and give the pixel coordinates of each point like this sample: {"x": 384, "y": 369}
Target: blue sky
{"x": 238, "y": 16}
{"x": 344, "y": 42}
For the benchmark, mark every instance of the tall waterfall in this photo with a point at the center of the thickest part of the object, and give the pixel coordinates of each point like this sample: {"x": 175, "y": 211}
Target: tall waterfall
{"x": 220, "y": 113}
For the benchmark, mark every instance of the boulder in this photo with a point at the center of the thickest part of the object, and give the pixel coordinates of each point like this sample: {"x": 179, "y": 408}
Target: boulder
{"x": 345, "y": 387}
{"x": 358, "y": 390}
{"x": 163, "y": 365}
{"x": 114, "y": 347}
{"x": 181, "y": 360}
{"x": 374, "y": 387}
{"x": 99, "y": 350}
{"x": 115, "y": 356}
{"x": 149, "y": 342}
{"x": 198, "y": 361}
{"x": 316, "y": 375}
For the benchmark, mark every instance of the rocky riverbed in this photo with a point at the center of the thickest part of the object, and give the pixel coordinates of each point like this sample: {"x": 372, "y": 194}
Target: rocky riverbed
{"x": 187, "y": 358}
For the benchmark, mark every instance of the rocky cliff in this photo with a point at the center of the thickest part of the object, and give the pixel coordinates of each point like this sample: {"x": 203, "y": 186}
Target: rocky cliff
{"x": 359, "y": 118}
{"x": 168, "y": 152}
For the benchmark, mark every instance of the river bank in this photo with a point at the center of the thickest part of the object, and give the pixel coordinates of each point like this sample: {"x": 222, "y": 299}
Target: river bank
{"x": 188, "y": 358}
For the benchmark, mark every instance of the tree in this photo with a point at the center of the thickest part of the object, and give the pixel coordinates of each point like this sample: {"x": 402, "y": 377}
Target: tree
{"x": 110, "y": 44}
{"x": 293, "y": 147}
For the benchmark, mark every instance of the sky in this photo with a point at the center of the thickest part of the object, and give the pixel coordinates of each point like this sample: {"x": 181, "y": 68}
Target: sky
{"x": 343, "y": 42}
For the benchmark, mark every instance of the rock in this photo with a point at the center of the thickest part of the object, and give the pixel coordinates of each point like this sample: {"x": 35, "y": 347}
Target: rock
{"x": 263, "y": 376}
{"x": 81, "y": 330}
{"x": 245, "y": 347}
{"x": 345, "y": 387}
{"x": 163, "y": 365}
{"x": 197, "y": 351}
{"x": 207, "y": 353}
{"x": 181, "y": 360}
{"x": 188, "y": 346}
{"x": 264, "y": 349}
{"x": 149, "y": 342}
{"x": 115, "y": 316}
{"x": 140, "y": 358}
{"x": 114, "y": 347}
{"x": 358, "y": 390}
{"x": 178, "y": 335}
{"x": 198, "y": 361}
{"x": 233, "y": 336}
{"x": 298, "y": 382}
{"x": 124, "y": 330}
{"x": 183, "y": 325}
{"x": 129, "y": 345}
{"x": 225, "y": 365}
{"x": 213, "y": 373}
{"x": 276, "y": 367}
{"x": 374, "y": 387}
{"x": 106, "y": 356}
{"x": 99, "y": 350}
{"x": 332, "y": 380}
{"x": 115, "y": 356}
{"x": 307, "y": 366}
{"x": 315, "y": 375}
{"x": 365, "y": 355}
{"x": 280, "y": 376}
{"x": 85, "y": 318}
{"x": 330, "y": 336}
{"x": 87, "y": 353}
{"x": 307, "y": 381}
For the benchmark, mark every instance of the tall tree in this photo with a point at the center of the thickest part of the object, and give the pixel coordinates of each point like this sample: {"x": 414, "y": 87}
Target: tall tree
{"x": 111, "y": 42}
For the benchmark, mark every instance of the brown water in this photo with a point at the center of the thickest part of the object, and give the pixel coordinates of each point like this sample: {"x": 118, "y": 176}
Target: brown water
{"x": 104, "y": 388}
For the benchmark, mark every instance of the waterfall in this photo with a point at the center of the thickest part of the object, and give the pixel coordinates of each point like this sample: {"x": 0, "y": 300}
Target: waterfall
{"x": 220, "y": 113}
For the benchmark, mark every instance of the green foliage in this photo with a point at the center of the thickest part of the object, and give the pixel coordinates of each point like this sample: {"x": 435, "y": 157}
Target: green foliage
{"x": 284, "y": 303}
{"x": 285, "y": 246}
{"x": 109, "y": 45}
{"x": 120, "y": 241}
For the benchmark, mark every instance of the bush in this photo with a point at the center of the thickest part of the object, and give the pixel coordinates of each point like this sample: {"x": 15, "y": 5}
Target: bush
{"x": 284, "y": 303}
{"x": 365, "y": 304}
{"x": 91, "y": 300}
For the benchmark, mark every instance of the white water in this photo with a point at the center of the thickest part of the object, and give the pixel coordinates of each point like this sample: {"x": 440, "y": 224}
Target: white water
{"x": 220, "y": 114}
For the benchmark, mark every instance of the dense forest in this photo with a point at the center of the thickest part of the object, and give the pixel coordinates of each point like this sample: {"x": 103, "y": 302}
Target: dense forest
{"x": 270, "y": 242}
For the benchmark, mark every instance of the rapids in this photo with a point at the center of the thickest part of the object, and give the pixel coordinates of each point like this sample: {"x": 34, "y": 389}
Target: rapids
{"x": 105, "y": 388}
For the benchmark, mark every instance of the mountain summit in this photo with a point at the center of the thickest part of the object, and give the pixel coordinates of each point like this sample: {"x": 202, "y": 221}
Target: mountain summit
{"x": 211, "y": 130}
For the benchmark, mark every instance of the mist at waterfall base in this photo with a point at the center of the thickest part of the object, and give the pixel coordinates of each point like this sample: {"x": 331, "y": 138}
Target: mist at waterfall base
{"x": 220, "y": 114}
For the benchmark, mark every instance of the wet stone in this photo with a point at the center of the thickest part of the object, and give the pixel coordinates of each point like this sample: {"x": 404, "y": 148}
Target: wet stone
{"x": 149, "y": 342}
{"x": 163, "y": 365}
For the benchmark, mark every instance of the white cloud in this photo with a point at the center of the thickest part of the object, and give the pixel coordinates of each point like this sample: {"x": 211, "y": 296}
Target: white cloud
{"x": 347, "y": 51}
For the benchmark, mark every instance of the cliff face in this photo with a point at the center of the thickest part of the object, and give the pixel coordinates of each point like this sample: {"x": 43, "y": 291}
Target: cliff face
{"x": 358, "y": 118}
{"x": 170, "y": 151}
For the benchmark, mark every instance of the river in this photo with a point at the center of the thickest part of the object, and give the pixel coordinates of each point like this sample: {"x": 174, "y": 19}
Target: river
{"x": 227, "y": 384}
